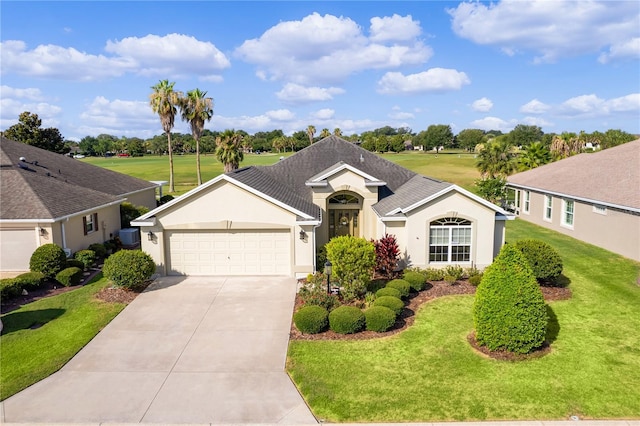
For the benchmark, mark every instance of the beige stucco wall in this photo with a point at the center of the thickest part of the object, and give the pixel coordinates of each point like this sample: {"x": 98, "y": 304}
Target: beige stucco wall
{"x": 146, "y": 198}
{"x": 346, "y": 180}
{"x": 108, "y": 226}
{"x": 452, "y": 204}
{"x": 615, "y": 231}
{"x": 227, "y": 206}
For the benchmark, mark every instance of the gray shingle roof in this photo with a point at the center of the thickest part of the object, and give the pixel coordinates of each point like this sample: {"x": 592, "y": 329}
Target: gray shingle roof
{"x": 609, "y": 176}
{"x": 50, "y": 185}
{"x": 414, "y": 191}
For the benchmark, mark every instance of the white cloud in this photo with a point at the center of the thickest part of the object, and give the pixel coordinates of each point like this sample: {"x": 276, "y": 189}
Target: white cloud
{"x": 432, "y": 80}
{"x": 536, "y": 121}
{"x": 172, "y": 54}
{"x": 625, "y": 103}
{"x": 551, "y": 29}
{"x": 119, "y": 117}
{"x": 482, "y": 105}
{"x": 326, "y": 49}
{"x": 594, "y": 106}
{"x": 534, "y": 107}
{"x": 493, "y": 123}
{"x": 583, "y": 104}
{"x": 280, "y": 115}
{"x": 297, "y": 94}
{"x": 30, "y": 93}
{"x": 11, "y": 108}
{"x": 324, "y": 114}
{"x": 394, "y": 28}
{"x": 401, "y": 115}
{"x": 625, "y": 49}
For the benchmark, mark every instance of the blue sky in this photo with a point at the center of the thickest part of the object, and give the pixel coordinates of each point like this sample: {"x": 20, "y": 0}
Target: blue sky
{"x": 87, "y": 67}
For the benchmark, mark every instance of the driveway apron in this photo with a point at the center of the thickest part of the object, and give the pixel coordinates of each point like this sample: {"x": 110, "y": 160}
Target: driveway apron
{"x": 187, "y": 350}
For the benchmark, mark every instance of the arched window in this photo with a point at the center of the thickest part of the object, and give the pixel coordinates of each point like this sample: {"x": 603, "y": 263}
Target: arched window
{"x": 450, "y": 240}
{"x": 344, "y": 199}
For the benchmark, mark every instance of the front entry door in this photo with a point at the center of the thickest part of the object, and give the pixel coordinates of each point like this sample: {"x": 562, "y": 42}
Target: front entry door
{"x": 343, "y": 222}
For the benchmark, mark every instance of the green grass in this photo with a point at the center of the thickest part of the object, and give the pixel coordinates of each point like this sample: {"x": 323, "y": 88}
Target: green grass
{"x": 430, "y": 373}
{"x": 67, "y": 322}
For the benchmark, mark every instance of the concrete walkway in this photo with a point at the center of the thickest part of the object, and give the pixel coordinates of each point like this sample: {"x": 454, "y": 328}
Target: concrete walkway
{"x": 187, "y": 350}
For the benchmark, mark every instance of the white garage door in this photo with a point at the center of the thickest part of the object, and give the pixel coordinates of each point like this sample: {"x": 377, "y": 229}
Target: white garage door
{"x": 16, "y": 247}
{"x": 230, "y": 253}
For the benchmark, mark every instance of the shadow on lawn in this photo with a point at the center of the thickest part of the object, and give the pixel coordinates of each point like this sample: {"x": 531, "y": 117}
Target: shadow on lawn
{"x": 553, "y": 326}
{"x": 23, "y": 320}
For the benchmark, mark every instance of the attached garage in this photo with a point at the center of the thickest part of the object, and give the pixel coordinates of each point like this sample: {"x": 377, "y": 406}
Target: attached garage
{"x": 242, "y": 252}
{"x": 16, "y": 249}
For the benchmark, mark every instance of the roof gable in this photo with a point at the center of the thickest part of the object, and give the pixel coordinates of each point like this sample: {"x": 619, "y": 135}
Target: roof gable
{"x": 320, "y": 179}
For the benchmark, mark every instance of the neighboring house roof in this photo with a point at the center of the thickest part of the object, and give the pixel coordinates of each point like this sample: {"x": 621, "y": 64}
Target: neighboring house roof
{"x": 609, "y": 177}
{"x": 48, "y": 186}
{"x": 289, "y": 182}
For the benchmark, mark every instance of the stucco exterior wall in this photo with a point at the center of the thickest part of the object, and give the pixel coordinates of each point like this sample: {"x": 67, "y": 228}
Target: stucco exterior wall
{"x": 146, "y": 198}
{"x": 452, "y": 204}
{"x": 108, "y": 225}
{"x": 616, "y": 231}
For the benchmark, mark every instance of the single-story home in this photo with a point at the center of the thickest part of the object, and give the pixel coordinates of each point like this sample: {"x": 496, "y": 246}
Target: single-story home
{"x": 51, "y": 198}
{"x": 592, "y": 197}
{"x": 271, "y": 220}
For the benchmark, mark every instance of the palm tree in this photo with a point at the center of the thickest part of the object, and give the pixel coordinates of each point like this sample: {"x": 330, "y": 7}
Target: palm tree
{"x": 311, "y": 130}
{"x": 496, "y": 159}
{"x": 227, "y": 150}
{"x": 163, "y": 102}
{"x": 196, "y": 108}
{"x": 325, "y": 133}
{"x": 534, "y": 156}
{"x": 337, "y": 132}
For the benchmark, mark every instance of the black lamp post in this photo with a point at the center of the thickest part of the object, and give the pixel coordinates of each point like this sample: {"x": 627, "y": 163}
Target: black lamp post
{"x": 327, "y": 270}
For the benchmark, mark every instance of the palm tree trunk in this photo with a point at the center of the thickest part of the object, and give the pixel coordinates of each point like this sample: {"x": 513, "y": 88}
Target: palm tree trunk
{"x": 198, "y": 161}
{"x": 170, "y": 149}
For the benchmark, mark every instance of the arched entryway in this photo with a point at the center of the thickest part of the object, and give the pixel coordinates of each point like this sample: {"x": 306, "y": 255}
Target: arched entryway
{"x": 344, "y": 214}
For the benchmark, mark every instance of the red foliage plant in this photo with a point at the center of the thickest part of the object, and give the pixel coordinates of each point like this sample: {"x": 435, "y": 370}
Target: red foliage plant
{"x": 387, "y": 255}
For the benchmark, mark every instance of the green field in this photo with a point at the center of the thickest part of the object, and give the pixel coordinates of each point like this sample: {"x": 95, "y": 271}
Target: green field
{"x": 455, "y": 168}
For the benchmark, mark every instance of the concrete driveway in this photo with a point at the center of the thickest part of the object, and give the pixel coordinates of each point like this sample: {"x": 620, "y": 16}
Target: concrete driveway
{"x": 187, "y": 350}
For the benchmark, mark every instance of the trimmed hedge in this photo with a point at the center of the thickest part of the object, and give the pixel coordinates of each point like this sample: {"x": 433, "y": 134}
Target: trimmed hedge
{"x": 393, "y": 303}
{"x": 74, "y": 263}
{"x": 543, "y": 259}
{"x": 30, "y": 280}
{"x": 129, "y": 268}
{"x": 415, "y": 279}
{"x": 389, "y": 291}
{"x": 402, "y": 285}
{"x": 311, "y": 319}
{"x": 509, "y": 311}
{"x": 379, "y": 318}
{"x": 99, "y": 249}
{"x": 69, "y": 277}
{"x": 48, "y": 259}
{"x": 87, "y": 257}
{"x": 9, "y": 287}
{"x": 346, "y": 320}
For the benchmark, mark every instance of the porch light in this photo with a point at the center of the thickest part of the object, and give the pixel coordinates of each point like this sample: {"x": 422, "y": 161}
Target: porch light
{"x": 43, "y": 232}
{"x": 150, "y": 235}
{"x": 303, "y": 234}
{"x": 327, "y": 270}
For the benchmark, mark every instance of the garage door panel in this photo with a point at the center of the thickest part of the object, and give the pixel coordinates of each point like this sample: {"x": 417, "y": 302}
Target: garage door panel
{"x": 229, "y": 253}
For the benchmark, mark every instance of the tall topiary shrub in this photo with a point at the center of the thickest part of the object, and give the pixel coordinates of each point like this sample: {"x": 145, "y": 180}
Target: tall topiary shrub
{"x": 544, "y": 260}
{"x": 387, "y": 255}
{"x": 353, "y": 260}
{"x": 129, "y": 268}
{"x": 509, "y": 311}
{"x": 48, "y": 259}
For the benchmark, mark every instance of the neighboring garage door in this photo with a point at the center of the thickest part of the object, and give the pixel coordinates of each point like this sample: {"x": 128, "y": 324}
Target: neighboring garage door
{"x": 230, "y": 253}
{"x": 16, "y": 249}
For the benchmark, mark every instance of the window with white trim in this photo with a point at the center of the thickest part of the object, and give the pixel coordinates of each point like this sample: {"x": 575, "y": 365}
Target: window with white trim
{"x": 568, "y": 207}
{"x": 599, "y": 209}
{"x": 450, "y": 240}
{"x": 527, "y": 201}
{"x": 90, "y": 223}
{"x": 548, "y": 207}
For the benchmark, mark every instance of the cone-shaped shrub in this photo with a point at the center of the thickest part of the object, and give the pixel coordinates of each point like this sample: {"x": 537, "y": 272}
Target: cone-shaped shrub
{"x": 544, "y": 260}
{"x": 509, "y": 311}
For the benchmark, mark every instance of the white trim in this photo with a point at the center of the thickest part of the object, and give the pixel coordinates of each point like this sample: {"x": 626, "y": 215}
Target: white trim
{"x": 58, "y": 219}
{"x": 308, "y": 222}
{"x": 526, "y": 202}
{"x": 341, "y": 168}
{"x": 563, "y": 221}
{"x": 574, "y": 197}
{"x": 212, "y": 182}
{"x": 153, "y": 188}
{"x": 150, "y": 222}
{"x": 545, "y": 207}
{"x": 376, "y": 183}
{"x": 321, "y": 184}
{"x": 393, "y": 219}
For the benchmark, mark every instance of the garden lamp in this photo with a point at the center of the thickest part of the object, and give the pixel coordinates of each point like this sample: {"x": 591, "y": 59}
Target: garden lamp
{"x": 327, "y": 270}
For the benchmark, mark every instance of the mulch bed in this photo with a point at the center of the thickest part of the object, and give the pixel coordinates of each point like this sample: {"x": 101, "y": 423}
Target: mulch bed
{"x": 434, "y": 290}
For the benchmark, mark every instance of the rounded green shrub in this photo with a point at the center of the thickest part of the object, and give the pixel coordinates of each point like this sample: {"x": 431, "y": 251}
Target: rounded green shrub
{"x": 129, "y": 268}
{"x": 87, "y": 257}
{"x": 543, "y": 259}
{"x": 393, "y": 303}
{"x": 9, "y": 287}
{"x": 389, "y": 291}
{"x": 30, "y": 280}
{"x": 48, "y": 259}
{"x": 509, "y": 311}
{"x": 311, "y": 319}
{"x": 99, "y": 249}
{"x": 69, "y": 276}
{"x": 346, "y": 320}
{"x": 402, "y": 285}
{"x": 379, "y": 318}
{"x": 475, "y": 280}
{"x": 415, "y": 279}
{"x": 75, "y": 263}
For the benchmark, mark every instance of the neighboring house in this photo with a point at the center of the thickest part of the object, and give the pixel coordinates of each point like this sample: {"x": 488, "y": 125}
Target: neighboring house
{"x": 592, "y": 197}
{"x": 50, "y": 198}
{"x": 271, "y": 220}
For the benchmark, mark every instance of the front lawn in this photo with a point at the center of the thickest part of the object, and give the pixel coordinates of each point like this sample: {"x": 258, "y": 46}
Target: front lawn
{"x": 38, "y": 339}
{"x": 430, "y": 373}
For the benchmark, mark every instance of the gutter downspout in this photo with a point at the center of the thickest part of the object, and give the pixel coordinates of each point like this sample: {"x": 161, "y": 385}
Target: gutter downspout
{"x": 64, "y": 235}
{"x": 315, "y": 254}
